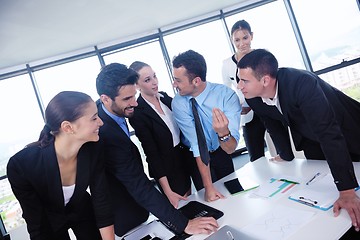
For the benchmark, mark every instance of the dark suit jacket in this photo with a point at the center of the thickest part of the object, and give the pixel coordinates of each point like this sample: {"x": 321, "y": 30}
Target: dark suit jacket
{"x": 155, "y": 136}
{"x": 133, "y": 193}
{"x": 317, "y": 112}
{"x": 35, "y": 180}
{"x": 157, "y": 142}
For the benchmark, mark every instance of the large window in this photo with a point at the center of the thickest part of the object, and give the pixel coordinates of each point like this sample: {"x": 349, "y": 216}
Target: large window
{"x": 21, "y": 120}
{"x": 149, "y": 53}
{"x": 10, "y": 209}
{"x": 346, "y": 79}
{"x": 20, "y": 124}
{"x": 73, "y": 76}
{"x": 209, "y": 40}
{"x": 330, "y": 29}
{"x": 332, "y": 39}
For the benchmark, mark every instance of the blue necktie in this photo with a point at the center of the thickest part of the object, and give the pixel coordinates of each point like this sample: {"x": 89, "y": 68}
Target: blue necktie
{"x": 124, "y": 127}
{"x": 204, "y": 152}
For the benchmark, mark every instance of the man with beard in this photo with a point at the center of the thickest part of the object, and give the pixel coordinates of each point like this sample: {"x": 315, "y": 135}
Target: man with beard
{"x": 133, "y": 194}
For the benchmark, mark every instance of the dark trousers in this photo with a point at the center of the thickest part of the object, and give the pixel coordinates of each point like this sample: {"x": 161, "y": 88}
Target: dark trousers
{"x": 253, "y": 133}
{"x": 221, "y": 165}
{"x": 82, "y": 231}
{"x": 84, "y": 228}
{"x": 80, "y": 219}
{"x": 179, "y": 179}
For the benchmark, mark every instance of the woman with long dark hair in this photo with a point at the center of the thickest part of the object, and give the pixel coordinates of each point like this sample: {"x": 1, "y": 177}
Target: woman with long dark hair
{"x": 50, "y": 177}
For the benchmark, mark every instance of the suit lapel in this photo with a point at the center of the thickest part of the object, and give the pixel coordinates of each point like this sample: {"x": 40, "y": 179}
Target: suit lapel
{"x": 53, "y": 177}
{"x": 110, "y": 122}
{"x": 166, "y": 100}
{"x": 148, "y": 110}
{"x": 283, "y": 104}
{"x": 266, "y": 111}
{"x": 83, "y": 166}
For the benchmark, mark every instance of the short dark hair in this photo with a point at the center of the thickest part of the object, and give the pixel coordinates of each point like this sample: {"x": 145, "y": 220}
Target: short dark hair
{"x": 193, "y": 62}
{"x": 112, "y": 77}
{"x": 241, "y": 24}
{"x": 261, "y": 61}
{"x": 64, "y": 106}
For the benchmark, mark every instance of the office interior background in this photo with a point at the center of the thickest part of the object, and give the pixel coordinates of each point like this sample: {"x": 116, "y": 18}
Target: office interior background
{"x": 52, "y": 46}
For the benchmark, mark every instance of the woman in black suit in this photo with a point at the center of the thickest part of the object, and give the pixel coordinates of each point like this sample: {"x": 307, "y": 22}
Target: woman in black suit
{"x": 50, "y": 177}
{"x": 170, "y": 162}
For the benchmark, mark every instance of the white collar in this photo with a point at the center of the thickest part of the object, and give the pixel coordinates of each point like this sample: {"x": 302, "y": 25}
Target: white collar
{"x": 275, "y": 100}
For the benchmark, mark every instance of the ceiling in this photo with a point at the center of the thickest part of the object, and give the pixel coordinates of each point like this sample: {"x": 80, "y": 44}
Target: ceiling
{"x": 34, "y": 30}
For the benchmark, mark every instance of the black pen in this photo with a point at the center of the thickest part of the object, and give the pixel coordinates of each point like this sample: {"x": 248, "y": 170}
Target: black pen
{"x": 312, "y": 179}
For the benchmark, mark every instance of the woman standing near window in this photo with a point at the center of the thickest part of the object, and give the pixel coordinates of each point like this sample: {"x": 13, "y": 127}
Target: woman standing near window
{"x": 253, "y": 128}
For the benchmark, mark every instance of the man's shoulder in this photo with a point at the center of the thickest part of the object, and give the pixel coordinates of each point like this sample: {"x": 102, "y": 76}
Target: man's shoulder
{"x": 286, "y": 71}
{"x": 179, "y": 105}
{"x": 293, "y": 77}
{"x": 218, "y": 88}
{"x": 179, "y": 99}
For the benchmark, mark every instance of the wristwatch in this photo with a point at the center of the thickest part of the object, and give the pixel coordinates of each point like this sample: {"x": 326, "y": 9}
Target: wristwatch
{"x": 225, "y": 138}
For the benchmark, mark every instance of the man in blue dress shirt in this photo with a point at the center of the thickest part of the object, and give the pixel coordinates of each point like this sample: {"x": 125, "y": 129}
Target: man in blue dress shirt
{"x": 219, "y": 111}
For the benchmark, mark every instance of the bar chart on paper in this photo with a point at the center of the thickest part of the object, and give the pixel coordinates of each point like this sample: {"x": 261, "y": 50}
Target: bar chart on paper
{"x": 274, "y": 188}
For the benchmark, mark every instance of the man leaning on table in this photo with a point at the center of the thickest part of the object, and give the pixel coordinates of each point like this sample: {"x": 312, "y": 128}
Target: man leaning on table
{"x": 324, "y": 122}
{"x": 214, "y": 108}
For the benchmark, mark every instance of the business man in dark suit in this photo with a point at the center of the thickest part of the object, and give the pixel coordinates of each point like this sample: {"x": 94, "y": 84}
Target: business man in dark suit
{"x": 134, "y": 196}
{"x": 324, "y": 122}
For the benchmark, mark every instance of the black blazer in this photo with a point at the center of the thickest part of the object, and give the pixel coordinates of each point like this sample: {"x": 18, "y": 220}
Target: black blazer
{"x": 35, "y": 180}
{"x": 156, "y": 139}
{"x": 133, "y": 193}
{"x": 316, "y": 111}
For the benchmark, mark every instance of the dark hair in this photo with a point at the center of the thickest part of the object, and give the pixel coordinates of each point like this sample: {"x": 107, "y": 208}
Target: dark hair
{"x": 241, "y": 24}
{"x": 138, "y": 65}
{"x": 193, "y": 62}
{"x": 261, "y": 61}
{"x": 65, "y": 106}
{"x": 112, "y": 77}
